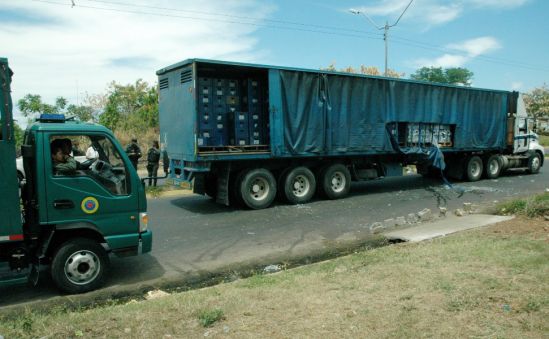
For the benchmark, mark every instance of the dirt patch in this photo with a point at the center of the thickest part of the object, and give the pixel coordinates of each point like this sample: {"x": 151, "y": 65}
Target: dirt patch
{"x": 537, "y": 228}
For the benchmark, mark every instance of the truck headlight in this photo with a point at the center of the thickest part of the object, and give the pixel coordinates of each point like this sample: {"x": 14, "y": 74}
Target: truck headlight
{"x": 143, "y": 222}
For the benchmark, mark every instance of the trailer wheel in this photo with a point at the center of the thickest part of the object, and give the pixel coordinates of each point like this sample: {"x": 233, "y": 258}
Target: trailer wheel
{"x": 210, "y": 186}
{"x": 299, "y": 185}
{"x": 493, "y": 167}
{"x": 474, "y": 168}
{"x": 79, "y": 265}
{"x": 335, "y": 181}
{"x": 534, "y": 163}
{"x": 257, "y": 188}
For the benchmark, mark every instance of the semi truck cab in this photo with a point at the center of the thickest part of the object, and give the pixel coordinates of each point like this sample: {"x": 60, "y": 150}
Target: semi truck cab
{"x": 70, "y": 220}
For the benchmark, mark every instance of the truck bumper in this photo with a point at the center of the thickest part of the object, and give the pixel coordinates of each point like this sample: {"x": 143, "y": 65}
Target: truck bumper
{"x": 130, "y": 244}
{"x": 145, "y": 242}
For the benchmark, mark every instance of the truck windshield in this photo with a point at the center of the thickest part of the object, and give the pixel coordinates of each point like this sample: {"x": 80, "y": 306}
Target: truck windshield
{"x": 89, "y": 156}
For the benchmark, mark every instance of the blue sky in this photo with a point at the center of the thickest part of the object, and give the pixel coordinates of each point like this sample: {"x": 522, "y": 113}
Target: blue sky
{"x": 59, "y": 50}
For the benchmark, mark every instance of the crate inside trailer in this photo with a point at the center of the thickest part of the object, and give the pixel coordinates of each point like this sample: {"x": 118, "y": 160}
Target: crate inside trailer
{"x": 232, "y": 108}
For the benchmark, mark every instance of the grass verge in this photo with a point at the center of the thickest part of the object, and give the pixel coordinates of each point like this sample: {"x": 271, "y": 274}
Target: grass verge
{"x": 534, "y": 206}
{"x": 482, "y": 283}
{"x": 544, "y": 140}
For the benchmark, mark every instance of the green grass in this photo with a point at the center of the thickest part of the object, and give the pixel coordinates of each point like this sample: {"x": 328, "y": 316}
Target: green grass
{"x": 544, "y": 140}
{"x": 154, "y": 191}
{"x": 209, "y": 317}
{"x": 531, "y": 207}
{"x": 489, "y": 282}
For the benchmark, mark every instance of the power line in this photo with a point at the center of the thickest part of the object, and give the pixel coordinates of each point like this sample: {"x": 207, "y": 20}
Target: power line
{"x": 327, "y": 30}
{"x": 118, "y": 3}
{"x": 188, "y": 17}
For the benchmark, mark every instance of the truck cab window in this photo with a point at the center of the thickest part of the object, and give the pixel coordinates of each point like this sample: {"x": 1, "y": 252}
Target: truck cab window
{"x": 69, "y": 156}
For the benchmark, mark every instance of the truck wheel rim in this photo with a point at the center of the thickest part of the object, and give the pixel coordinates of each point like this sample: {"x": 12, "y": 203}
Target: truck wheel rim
{"x": 535, "y": 163}
{"x": 475, "y": 169}
{"x": 82, "y": 267}
{"x": 338, "y": 182}
{"x": 259, "y": 189}
{"x": 301, "y": 186}
{"x": 494, "y": 166}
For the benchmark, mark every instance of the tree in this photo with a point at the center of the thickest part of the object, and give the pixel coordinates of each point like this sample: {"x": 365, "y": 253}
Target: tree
{"x": 366, "y": 70}
{"x": 537, "y": 102}
{"x": 32, "y": 105}
{"x": 132, "y": 108}
{"x": 453, "y": 76}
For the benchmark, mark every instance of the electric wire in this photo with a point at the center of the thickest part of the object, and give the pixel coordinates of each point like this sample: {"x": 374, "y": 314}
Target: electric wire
{"x": 188, "y": 17}
{"x": 328, "y": 30}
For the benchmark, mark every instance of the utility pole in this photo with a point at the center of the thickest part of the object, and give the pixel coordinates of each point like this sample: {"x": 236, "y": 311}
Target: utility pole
{"x": 384, "y": 28}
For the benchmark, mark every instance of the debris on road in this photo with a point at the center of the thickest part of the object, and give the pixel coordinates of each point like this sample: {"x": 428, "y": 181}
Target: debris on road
{"x": 155, "y": 294}
{"x": 272, "y": 269}
{"x": 412, "y": 218}
{"x": 376, "y": 227}
{"x": 425, "y": 215}
{"x": 442, "y": 212}
{"x": 459, "y": 212}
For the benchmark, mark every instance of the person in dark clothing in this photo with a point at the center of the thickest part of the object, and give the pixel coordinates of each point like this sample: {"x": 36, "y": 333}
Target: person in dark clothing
{"x": 134, "y": 152}
{"x": 153, "y": 158}
{"x": 165, "y": 159}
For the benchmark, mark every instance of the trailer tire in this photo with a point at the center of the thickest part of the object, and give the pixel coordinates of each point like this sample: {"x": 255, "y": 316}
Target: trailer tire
{"x": 257, "y": 188}
{"x": 299, "y": 185}
{"x": 210, "y": 186}
{"x": 79, "y": 265}
{"x": 493, "y": 167}
{"x": 474, "y": 168}
{"x": 534, "y": 163}
{"x": 335, "y": 181}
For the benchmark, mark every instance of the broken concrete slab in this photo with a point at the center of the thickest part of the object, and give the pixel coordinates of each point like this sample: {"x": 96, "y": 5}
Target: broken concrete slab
{"x": 425, "y": 215}
{"x": 443, "y": 227}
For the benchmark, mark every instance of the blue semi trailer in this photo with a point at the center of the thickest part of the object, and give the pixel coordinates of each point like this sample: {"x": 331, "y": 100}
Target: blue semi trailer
{"x": 244, "y": 133}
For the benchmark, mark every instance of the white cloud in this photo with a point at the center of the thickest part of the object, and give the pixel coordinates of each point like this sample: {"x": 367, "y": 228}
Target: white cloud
{"x": 517, "y": 85}
{"x": 466, "y": 51}
{"x": 477, "y": 46}
{"x": 433, "y": 12}
{"x": 64, "y": 51}
{"x": 504, "y": 4}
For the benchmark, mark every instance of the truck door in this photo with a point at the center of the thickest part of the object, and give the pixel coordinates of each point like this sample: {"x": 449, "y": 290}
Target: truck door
{"x": 98, "y": 193}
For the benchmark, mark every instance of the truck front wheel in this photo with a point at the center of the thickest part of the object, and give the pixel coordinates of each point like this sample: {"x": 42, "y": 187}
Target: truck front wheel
{"x": 474, "y": 168}
{"x": 335, "y": 181}
{"x": 534, "y": 163}
{"x": 257, "y": 188}
{"x": 79, "y": 265}
{"x": 299, "y": 185}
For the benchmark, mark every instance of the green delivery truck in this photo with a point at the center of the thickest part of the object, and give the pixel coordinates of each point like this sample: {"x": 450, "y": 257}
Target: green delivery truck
{"x": 67, "y": 218}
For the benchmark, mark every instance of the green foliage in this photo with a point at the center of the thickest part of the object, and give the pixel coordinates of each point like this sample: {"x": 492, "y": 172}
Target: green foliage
{"x": 537, "y": 102}
{"x": 32, "y": 105}
{"x": 454, "y": 76}
{"x": 209, "y": 317}
{"x": 531, "y": 207}
{"x": 19, "y": 135}
{"x": 132, "y": 108}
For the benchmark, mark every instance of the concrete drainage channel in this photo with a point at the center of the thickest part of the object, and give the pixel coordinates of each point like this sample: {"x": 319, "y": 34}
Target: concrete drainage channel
{"x": 413, "y": 227}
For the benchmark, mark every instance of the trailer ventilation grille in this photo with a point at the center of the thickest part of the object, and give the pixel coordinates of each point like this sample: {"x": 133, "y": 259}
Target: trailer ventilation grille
{"x": 186, "y": 75}
{"x": 163, "y": 83}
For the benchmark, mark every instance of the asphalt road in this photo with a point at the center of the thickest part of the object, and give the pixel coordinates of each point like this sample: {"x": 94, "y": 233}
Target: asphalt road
{"x": 193, "y": 234}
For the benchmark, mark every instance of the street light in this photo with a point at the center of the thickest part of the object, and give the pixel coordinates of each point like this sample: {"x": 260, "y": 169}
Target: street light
{"x": 384, "y": 28}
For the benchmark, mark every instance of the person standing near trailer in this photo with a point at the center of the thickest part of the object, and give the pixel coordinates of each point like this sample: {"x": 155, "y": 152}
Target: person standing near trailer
{"x": 153, "y": 158}
{"x": 134, "y": 152}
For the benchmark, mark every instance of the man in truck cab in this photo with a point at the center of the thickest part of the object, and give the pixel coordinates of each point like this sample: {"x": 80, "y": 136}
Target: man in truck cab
{"x": 63, "y": 164}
